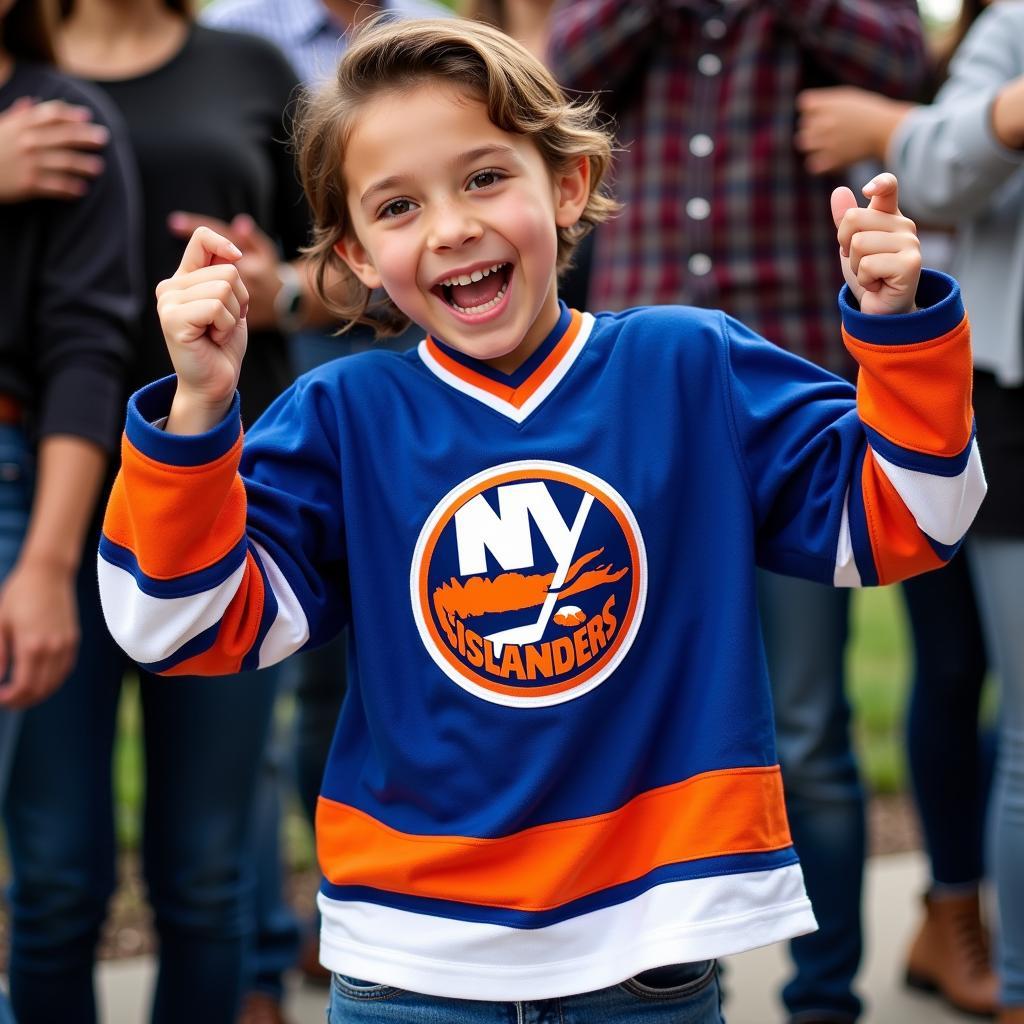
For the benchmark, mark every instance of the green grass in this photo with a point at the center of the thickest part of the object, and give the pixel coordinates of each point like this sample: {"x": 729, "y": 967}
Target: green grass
{"x": 878, "y": 667}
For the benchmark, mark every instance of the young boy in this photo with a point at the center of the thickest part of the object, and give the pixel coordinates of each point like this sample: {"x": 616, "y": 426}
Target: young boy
{"x": 555, "y": 778}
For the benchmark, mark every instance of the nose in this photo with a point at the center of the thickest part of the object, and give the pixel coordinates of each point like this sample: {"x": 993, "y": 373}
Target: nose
{"x": 452, "y": 226}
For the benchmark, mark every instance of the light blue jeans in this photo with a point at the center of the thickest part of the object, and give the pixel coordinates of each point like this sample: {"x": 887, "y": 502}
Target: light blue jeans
{"x": 682, "y": 994}
{"x": 998, "y": 567}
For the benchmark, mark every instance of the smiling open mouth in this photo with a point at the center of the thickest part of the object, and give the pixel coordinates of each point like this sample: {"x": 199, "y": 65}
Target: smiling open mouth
{"x": 477, "y": 292}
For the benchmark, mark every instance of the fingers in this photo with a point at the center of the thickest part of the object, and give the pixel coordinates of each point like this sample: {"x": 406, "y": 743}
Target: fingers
{"x": 54, "y": 111}
{"x": 37, "y": 668}
{"x": 5, "y": 656}
{"x": 212, "y": 300}
{"x": 843, "y": 199}
{"x": 875, "y": 270}
{"x": 70, "y": 135}
{"x": 863, "y": 244}
{"x": 867, "y": 221}
{"x": 183, "y": 224}
{"x": 204, "y": 247}
{"x": 243, "y": 230}
{"x": 884, "y": 192}
{"x": 59, "y": 186}
{"x": 69, "y": 161}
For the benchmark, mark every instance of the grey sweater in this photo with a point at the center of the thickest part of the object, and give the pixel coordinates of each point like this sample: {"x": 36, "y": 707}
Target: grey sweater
{"x": 954, "y": 172}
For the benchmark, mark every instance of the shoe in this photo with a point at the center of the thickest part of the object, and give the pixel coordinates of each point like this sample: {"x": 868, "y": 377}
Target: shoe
{"x": 1011, "y": 1015}
{"x": 950, "y": 956}
{"x": 261, "y": 1008}
{"x": 309, "y": 963}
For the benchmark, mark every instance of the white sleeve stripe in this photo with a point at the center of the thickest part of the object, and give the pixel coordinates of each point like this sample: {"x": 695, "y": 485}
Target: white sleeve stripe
{"x": 846, "y": 572}
{"x": 290, "y": 628}
{"x": 943, "y": 507}
{"x": 150, "y": 629}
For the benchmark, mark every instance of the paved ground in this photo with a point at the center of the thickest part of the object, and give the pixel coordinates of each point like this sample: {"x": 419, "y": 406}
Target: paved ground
{"x": 894, "y": 885}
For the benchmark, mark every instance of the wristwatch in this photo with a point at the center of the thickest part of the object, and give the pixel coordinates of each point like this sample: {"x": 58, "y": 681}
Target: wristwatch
{"x": 290, "y": 301}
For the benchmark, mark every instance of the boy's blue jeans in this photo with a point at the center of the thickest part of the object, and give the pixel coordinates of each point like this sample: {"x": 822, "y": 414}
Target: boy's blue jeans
{"x": 682, "y": 994}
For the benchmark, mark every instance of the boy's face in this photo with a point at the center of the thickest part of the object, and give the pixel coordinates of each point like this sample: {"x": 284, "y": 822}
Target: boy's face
{"x": 439, "y": 195}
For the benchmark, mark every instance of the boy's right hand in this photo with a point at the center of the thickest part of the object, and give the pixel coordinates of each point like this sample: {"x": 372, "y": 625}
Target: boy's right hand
{"x": 202, "y": 314}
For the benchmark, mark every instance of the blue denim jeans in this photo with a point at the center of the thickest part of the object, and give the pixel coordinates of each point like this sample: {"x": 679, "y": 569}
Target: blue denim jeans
{"x": 16, "y": 483}
{"x": 806, "y": 626}
{"x": 203, "y": 743}
{"x": 998, "y": 567}
{"x": 682, "y": 994}
{"x": 950, "y": 760}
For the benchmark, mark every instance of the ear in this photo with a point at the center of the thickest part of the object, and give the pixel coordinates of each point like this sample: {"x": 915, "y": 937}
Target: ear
{"x": 353, "y": 253}
{"x": 572, "y": 191}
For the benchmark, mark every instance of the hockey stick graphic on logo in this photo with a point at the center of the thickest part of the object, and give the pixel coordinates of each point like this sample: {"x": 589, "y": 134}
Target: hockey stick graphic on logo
{"x": 532, "y": 632}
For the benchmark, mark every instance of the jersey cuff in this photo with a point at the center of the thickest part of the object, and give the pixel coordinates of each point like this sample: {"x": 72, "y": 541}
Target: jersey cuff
{"x": 940, "y": 310}
{"x": 152, "y": 404}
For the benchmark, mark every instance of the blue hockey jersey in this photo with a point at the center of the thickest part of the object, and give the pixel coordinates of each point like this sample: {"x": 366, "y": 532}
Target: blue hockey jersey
{"x": 555, "y": 766}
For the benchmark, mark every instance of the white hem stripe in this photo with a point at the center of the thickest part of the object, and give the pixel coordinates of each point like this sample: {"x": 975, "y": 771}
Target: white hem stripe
{"x": 675, "y": 922}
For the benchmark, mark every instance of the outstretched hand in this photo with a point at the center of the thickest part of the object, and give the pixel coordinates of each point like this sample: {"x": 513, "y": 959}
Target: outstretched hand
{"x": 878, "y": 246}
{"x": 202, "y": 312}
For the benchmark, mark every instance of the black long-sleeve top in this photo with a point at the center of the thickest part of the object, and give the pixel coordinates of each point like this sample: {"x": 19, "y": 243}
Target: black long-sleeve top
{"x": 70, "y": 283}
{"x": 209, "y": 129}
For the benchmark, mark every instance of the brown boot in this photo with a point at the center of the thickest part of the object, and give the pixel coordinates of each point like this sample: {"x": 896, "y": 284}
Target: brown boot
{"x": 950, "y": 956}
{"x": 1011, "y": 1015}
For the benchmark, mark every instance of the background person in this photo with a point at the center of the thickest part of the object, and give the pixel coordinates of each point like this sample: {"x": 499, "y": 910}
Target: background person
{"x": 970, "y": 145}
{"x": 69, "y": 238}
{"x": 152, "y": 62}
{"x": 720, "y": 211}
{"x": 950, "y": 763}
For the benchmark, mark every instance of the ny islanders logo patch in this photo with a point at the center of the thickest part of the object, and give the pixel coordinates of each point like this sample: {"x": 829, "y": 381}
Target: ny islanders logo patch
{"x": 528, "y": 583}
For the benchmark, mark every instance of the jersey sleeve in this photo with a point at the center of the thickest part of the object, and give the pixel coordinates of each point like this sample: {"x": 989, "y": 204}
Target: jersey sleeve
{"x": 217, "y": 558}
{"x": 865, "y": 488}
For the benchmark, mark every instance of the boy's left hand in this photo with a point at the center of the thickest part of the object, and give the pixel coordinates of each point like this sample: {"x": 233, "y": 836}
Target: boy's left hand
{"x": 879, "y": 247}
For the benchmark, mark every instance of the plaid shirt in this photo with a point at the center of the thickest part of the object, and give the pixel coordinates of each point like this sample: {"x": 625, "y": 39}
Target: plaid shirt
{"x": 719, "y": 210}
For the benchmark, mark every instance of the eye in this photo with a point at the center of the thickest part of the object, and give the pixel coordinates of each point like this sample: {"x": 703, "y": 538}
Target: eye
{"x": 394, "y": 208}
{"x": 484, "y": 179}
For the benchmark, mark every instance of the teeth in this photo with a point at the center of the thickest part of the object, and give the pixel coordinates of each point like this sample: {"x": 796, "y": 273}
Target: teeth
{"x": 486, "y": 306}
{"x": 477, "y": 275}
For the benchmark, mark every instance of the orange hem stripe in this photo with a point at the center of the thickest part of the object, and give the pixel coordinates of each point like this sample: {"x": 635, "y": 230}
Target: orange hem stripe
{"x": 731, "y": 811}
{"x": 514, "y": 396}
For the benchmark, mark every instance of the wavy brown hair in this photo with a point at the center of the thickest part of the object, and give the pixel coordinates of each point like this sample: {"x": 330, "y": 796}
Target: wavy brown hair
{"x": 521, "y": 97}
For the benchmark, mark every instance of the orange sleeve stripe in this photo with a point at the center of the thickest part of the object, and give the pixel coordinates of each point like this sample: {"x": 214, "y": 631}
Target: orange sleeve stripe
{"x": 238, "y": 630}
{"x": 723, "y": 812}
{"x": 919, "y": 402}
{"x": 174, "y": 531}
{"x": 898, "y": 546}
